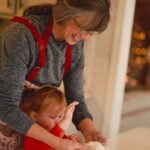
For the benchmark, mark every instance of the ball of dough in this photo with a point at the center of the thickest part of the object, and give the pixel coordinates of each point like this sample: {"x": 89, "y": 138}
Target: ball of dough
{"x": 96, "y": 145}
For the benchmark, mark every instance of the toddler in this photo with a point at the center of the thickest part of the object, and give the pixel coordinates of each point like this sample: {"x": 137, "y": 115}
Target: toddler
{"x": 47, "y": 106}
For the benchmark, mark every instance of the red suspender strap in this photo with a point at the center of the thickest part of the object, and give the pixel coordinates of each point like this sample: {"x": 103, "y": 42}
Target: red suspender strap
{"x": 42, "y": 42}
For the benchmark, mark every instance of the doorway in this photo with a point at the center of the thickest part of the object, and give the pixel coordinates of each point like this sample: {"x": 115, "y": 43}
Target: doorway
{"x": 136, "y": 105}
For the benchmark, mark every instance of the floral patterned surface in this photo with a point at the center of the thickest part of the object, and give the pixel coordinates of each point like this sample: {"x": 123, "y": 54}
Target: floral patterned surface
{"x": 9, "y": 138}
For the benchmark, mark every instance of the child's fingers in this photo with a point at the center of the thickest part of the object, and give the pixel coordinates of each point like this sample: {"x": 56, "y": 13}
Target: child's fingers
{"x": 75, "y": 137}
{"x": 71, "y": 106}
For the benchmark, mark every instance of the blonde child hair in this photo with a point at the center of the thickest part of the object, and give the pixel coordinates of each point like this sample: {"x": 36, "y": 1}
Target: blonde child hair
{"x": 38, "y": 99}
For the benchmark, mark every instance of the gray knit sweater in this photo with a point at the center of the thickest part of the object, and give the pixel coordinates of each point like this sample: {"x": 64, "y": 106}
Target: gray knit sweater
{"x": 18, "y": 55}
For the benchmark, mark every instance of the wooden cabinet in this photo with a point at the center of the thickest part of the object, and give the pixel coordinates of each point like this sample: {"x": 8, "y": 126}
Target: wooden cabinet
{"x": 36, "y": 2}
{"x": 7, "y": 7}
{"x": 20, "y": 6}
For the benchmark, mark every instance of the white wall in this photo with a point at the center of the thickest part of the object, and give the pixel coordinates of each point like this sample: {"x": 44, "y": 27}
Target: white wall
{"x": 96, "y": 69}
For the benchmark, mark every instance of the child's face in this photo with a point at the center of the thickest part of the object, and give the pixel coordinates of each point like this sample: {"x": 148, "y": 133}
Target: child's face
{"x": 51, "y": 115}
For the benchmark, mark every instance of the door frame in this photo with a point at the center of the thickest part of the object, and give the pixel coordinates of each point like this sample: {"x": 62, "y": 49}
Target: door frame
{"x": 122, "y": 26}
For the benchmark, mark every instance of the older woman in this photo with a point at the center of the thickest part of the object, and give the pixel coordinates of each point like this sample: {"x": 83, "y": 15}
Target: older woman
{"x": 46, "y": 47}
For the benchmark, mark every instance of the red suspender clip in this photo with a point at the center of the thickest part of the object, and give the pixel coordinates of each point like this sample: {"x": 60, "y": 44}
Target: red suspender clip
{"x": 42, "y": 42}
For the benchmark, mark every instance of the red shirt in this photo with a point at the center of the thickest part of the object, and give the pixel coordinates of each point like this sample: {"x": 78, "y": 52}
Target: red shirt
{"x": 33, "y": 144}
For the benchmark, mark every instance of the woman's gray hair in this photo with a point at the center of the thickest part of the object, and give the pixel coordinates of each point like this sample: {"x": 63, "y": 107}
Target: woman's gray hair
{"x": 65, "y": 10}
{"x": 96, "y": 11}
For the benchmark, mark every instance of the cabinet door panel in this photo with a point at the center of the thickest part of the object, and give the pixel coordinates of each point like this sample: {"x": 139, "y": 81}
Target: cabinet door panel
{"x": 36, "y": 2}
{"x": 21, "y": 5}
{"x": 7, "y": 7}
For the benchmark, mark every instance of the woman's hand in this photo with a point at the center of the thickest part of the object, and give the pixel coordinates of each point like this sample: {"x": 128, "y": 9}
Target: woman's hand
{"x": 75, "y": 137}
{"x": 30, "y": 85}
{"x": 71, "y": 145}
{"x": 94, "y": 135}
{"x": 90, "y": 132}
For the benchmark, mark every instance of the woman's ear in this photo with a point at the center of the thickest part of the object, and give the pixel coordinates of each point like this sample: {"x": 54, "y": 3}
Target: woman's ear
{"x": 33, "y": 115}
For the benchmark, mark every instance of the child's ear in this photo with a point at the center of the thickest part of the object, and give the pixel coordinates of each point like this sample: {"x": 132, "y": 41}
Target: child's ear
{"x": 33, "y": 115}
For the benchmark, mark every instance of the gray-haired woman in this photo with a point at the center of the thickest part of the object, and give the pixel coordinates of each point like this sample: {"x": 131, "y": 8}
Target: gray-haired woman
{"x": 46, "y": 47}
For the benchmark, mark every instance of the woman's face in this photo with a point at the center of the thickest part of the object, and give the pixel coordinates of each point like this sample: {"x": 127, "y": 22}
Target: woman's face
{"x": 73, "y": 31}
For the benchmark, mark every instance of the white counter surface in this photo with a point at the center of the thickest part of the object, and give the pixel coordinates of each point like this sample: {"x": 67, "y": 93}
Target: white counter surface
{"x": 135, "y": 139}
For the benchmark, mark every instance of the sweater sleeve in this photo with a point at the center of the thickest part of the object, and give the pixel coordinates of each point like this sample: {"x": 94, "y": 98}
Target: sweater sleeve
{"x": 57, "y": 131}
{"x": 33, "y": 144}
{"x": 14, "y": 49}
{"x": 73, "y": 84}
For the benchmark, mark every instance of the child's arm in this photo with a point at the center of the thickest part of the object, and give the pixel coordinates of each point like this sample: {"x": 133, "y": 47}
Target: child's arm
{"x": 64, "y": 123}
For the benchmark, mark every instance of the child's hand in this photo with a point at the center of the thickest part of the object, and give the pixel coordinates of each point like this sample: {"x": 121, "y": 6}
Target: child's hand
{"x": 64, "y": 123}
{"x": 69, "y": 110}
{"x": 75, "y": 137}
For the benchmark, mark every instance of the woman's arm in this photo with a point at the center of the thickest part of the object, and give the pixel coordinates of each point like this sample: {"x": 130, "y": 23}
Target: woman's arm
{"x": 91, "y": 133}
{"x": 39, "y": 133}
{"x": 15, "y": 58}
{"x": 73, "y": 84}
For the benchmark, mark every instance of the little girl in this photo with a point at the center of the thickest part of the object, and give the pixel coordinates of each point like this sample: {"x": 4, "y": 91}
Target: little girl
{"x": 47, "y": 106}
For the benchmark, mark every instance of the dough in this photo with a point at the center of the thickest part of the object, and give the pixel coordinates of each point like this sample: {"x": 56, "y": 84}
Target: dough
{"x": 96, "y": 145}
